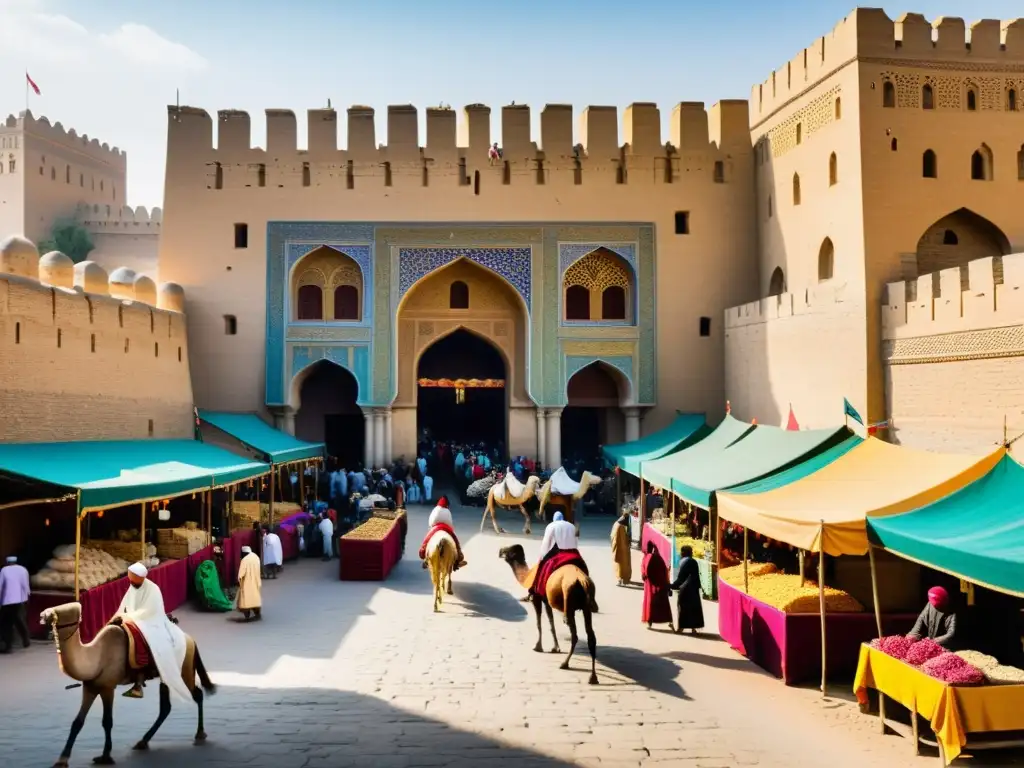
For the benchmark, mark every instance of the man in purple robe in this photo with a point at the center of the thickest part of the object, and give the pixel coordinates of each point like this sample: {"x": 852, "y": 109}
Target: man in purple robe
{"x": 14, "y": 592}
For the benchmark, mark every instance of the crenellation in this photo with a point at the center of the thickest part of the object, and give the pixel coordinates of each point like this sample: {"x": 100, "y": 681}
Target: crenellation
{"x": 322, "y": 131}
{"x": 641, "y": 129}
{"x": 403, "y": 133}
{"x": 517, "y": 143}
{"x": 125, "y": 217}
{"x": 600, "y": 133}
{"x": 441, "y": 133}
{"x": 915, "y": 34}
{"x": 817, "y": 299}
{"x": 986, "y": 38}
{"x": 362, "y": 141}
{"x": 1012, "y": 33}
{"x": 234, "y": 132}
{"x": 556, "y": 131}
{"x": 690, "y": 127}
{"x": 477, "y": 134}
{"x": 950, "y": 34}
{"x": 42, "y": 128}
{"x": 282, "y": 131}
{"x": 727, "y": 125}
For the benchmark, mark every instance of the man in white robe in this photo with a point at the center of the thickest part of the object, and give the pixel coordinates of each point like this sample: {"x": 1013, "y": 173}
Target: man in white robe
{"x": 559, "y": 533}
{"x": 143, "y": 606}
{"x": 327, "y": 534}
{"x": 273, "y": 553}
{"x": 428, "y": 488}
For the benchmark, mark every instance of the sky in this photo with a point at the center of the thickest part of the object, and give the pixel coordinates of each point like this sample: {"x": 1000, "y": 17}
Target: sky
{"x": 109, "y": 68}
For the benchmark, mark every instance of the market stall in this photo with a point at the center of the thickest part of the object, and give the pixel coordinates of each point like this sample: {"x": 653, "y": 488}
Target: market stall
{"x": 825, "y": 513}
{"x": 109, "y": 475}
{"x": 249, "y": 435}
{"x": 975, "y": 535}
{"x": 371, "y": 550}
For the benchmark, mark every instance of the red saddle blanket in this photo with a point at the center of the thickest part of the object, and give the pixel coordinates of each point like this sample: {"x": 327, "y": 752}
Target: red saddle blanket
{"x": 139, "y": 656}
{"x": 561, "y": 558}
{"x": 437, "y": 529}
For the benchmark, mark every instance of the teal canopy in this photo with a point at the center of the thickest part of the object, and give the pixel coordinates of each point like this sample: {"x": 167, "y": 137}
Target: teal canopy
{"x": 661, "y": 471}
{"x": 687, "y": 429}
{"x": 762, "y": 452}
{"x": 275, "y": 446}
{"x": 976, "y": 534}
{"x": 112, "y": 473}
{"x": 798, "y": 472}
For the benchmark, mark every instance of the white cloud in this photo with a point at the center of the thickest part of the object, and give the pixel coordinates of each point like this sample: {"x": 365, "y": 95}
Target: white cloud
{"x": 29, "y": 32}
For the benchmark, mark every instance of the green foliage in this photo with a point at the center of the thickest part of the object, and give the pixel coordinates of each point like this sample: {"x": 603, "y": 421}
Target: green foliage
{"x": 71, "y": 239}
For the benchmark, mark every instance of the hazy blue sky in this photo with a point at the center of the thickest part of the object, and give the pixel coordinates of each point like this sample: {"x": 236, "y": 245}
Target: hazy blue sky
{"x": 109, "y": 67}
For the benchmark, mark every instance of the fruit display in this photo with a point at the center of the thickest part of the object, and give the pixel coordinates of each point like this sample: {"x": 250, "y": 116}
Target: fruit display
{"x": 786, "y": 592}
{"x": 374, "y": 529}
{"x": 952, "y": 669}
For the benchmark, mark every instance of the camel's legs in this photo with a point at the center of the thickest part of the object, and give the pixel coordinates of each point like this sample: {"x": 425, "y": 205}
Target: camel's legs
{"x": 539, "y": 647}
{"x": 89, "y": 695}
{"x": 197, "y": 697}
{"x": 107, "y": 698}
{"x": 551, "y": 621}
{"x": 165, "y": 710}
{"x": 526, "y": 517}
{"x": 573, "y": 636}
{"x": 588, "y": 625}
{"x": 488, "y": 507}
{"x": 448, "y": 579}
{"x": 435, "y": 580}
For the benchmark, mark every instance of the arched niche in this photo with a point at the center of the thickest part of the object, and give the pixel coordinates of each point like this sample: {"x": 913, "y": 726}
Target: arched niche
{"x": 593, "y": 415}
{"x": 777, "y": 284}
{"x": 339, "y": 280}
{"x": 826, "y": 260}
{"x": 599, "y": 287}
{"x": 958, "y": 238}
{"x": 324, "y": 395}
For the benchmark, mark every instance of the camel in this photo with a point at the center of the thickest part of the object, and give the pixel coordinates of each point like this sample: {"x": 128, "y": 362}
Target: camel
{"x": 568, "y": 590}
{"x": 102, "y": 665}
{"x": 562, "y": 491}
{"x": 510, "y": 494}
{"x": 440, "y": 557}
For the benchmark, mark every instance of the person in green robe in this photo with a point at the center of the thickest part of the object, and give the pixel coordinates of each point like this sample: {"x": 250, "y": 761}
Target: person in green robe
{"x": 209, "y": 590}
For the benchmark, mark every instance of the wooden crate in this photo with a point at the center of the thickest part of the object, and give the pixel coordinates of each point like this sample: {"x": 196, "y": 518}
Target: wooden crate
{"x": 174, "y": 550}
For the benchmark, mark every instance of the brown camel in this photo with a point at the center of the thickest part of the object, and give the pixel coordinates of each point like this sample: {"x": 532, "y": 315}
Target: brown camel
{"x": 102, "y": 665}
{"x": 549, "y": 498}
{"x": 440, "y": 559}
{"x": 568, "y": 590}
{"x": 513, "y": 496}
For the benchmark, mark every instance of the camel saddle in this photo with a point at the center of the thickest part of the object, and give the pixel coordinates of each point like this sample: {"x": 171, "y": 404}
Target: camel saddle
{"x": 508, "y": 488}
{"x": 562, "y": 484}
{"x": 536, "y": 580}
{"x": 140, "y": 659}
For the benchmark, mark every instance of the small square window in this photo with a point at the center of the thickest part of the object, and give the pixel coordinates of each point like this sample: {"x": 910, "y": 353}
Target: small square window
{"x": 230, "y": 325}
{"x": 705, "y": 326}
{"x": 241, "y": 235}
{"x": 682, "y": 222}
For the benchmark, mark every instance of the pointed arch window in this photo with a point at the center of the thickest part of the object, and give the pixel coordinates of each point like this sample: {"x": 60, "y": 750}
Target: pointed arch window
{"x": 796, "y": 189}
{"x": 613, "y": 303}
{"x": 777, "y": 285}
{"x": 577, "y": 303}
{"x": 981, "y": 164}
{"x": 929, "y": 165}
{"x": 833, "y": 170}
{"x": 826, "y": 260}
{"x": 927, "y": 97}
{"x": 888, "y": 95}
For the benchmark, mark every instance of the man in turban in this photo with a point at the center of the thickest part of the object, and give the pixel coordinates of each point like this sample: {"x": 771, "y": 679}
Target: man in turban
{"x": 937, "y": 621}
{"x": 441, "y": 520}
{"x": 157, "y": 641}
{"x": 250, "y": 583}
{"x": 14, "y": 593}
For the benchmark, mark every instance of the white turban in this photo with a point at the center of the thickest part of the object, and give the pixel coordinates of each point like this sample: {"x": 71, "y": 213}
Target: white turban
{"x": 139, "y": 570}
{"x": 557, "y": 516}
{"x": 246, "y": 550}
{"x": 440, "y": 516}
{"x": 12, "y": 559}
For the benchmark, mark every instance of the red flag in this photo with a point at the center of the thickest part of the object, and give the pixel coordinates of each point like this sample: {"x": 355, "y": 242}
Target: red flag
{"x": 873, "y": 429}
{"x": 792, "y": 425}
{"x": 32, "y": 84}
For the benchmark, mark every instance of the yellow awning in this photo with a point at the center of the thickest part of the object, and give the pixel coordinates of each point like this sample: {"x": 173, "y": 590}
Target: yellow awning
{"x": 875, "y": 478}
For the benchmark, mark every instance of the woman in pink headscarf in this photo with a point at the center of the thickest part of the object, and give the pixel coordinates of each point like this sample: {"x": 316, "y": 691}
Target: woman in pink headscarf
{"x": 937, "y": 621}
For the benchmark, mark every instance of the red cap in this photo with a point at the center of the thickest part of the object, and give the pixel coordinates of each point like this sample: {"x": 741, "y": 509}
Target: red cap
{"x": 443, "y": 502}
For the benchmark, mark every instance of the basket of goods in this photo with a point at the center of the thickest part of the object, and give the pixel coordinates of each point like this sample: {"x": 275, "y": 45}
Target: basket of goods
{"x": 95, "y": 567}
{"x": 369, "y": 551}
{"x": 790, "y": 594}
{"x": 179, "y": 543}
{"x": 122, "y": 549}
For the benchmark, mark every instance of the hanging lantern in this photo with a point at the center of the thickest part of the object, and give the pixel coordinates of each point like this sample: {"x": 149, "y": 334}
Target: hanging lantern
{"x": 47, "y": 522}
{"x": 98, "y": 514}
{"x": 164, "y": 515}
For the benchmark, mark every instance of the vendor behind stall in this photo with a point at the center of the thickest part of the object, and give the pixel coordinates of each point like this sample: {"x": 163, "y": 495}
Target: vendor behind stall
{"x": 937, "y": 621}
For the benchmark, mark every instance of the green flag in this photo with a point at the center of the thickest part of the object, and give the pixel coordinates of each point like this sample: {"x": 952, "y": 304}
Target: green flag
{"x": 849, "y": 410}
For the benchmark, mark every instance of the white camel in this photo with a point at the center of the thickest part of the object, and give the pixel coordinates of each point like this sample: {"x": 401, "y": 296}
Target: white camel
{"x": 509, "y": 493}
{"x": 562, "y": 491}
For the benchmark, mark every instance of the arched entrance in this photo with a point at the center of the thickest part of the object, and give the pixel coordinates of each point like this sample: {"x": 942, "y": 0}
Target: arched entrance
{"x": 959, "y": 238}
{"x": 592, "y": 416}
{"x": 474, "y": 412}
{"x": 326, "y": 411}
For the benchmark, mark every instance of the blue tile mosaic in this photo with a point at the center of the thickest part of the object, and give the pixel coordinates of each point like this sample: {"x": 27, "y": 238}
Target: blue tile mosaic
{"x": 354, "y": 359}
{"x": 513, "y": 264}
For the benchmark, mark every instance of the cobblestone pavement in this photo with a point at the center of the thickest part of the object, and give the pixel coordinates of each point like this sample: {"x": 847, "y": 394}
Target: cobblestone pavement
{"x": 365, "y": 674}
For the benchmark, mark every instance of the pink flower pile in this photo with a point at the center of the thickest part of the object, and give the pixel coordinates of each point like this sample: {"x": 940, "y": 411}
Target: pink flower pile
{"x": 922, "y": 651}
{"x": 896, "y": 646}
{"x": 950, "y": 668}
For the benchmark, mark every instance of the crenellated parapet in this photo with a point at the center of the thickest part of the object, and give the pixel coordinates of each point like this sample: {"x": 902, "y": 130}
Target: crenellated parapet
{"x": 454, "y": 140}
{"x": 868, "y": 34}
{"x": 814, "y": 300}
{"x": 55, "y": 132}
{"x": 19, "y": 259}
{"x": 986, "y": 293}
{"x": 128, "y": 220}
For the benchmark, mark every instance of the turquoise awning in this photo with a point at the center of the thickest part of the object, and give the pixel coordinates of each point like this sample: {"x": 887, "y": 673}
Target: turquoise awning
{"x": 276, "y": 447}
{"x": 800, "y": 471}
{"x": 116, "y": 472}
{"x": 762, "y": 452}
{"x": 661, "y": 471}
{"x": 976, "y": 534}
{"x": 687, "y": 429}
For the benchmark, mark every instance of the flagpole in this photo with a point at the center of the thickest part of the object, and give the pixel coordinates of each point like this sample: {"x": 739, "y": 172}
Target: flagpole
{"x": 26, "y": 93}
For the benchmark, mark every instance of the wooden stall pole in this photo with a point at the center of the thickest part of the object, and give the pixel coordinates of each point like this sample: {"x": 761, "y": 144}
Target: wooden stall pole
{"x": 618, "y": 492}
{"x": 302, "y": 485}
{"x": 643, "y": 506}
{"x": 273, "y": 474}
{"x": 672, "y": 508}
{"x": 801, "y": 557}
{"x": 316, "y": 481}
{"x": 142, "y": 533}
{"x": 746, "y": 558}
{"x": 874, "y": 589}
{"x": 78, "y": 540}
{"x": 209, "y": 517}
{"x": 718, "y": 543}
{"x": 821, "y": 603}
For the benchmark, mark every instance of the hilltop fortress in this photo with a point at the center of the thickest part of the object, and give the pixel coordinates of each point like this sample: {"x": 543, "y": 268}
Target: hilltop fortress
{"x": 610, "y": 275}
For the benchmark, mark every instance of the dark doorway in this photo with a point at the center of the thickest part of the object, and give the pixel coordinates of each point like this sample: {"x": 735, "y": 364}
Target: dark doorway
{"x": 328, "y": 413}
{"x": 480, "y": 416}
{"x": 590, "y": 419}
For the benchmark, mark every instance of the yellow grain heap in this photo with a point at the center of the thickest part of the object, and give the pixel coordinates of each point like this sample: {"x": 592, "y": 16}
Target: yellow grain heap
{"x": 373, "y": 529}
{"x": 786, "y": 593}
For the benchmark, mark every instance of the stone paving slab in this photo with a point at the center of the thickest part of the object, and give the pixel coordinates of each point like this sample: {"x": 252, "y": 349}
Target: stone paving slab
{"x": 365, "y": 674}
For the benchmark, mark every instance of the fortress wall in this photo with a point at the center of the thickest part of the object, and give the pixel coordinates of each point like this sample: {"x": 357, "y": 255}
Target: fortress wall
{"x": 804, "y": 349}
{"x": 954, "y": 355}
{"x": 128, "y": 237}
{"x": 697, "y": 273}
{"x": 77, "y": 365}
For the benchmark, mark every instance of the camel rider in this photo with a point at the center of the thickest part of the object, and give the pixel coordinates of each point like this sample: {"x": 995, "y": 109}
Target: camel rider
{"x": 441, "y": 520}
{"x": 142, "y": 613}
{"x": 559, "y": 536}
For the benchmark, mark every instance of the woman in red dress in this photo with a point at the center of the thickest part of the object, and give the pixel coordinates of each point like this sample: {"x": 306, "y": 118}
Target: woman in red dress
{"x": 657, "y": 607}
